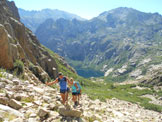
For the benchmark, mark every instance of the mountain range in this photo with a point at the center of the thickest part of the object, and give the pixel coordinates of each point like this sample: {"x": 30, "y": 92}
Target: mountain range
{"x": 32, "y": 19}
{"x": 25, "y": 66}
{"x": 119, "y": 44}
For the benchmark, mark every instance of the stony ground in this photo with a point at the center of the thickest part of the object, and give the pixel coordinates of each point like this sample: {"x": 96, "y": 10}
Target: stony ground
{"x": 26, "y": 101}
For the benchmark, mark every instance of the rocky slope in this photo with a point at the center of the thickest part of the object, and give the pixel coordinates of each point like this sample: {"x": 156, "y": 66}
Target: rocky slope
{"x": 30, "y": 101}
{"x": 18, "y": 43}
{"x": 32, "y": 19}
{"x": 118, "y": 44}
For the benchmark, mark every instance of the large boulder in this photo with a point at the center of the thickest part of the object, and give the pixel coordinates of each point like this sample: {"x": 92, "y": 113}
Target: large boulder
{"x": 4, "y": 100}
{"x": 15, "y": 104}
{"x": 43, "y": 113}
{"x": 70, "y": 113}
{"x": 5, "y": 110}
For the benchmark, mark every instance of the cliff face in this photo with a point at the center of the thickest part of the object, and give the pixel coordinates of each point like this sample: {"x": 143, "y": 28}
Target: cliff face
{"x": 19, "y": 43}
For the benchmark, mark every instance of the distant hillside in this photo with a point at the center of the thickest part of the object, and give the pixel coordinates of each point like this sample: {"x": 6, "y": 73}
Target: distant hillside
{"x": 118, "y": 44}
{"x": 32, "y": 19}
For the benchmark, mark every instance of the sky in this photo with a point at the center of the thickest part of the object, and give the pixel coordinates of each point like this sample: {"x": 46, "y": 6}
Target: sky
{"x": 90, "y": 8}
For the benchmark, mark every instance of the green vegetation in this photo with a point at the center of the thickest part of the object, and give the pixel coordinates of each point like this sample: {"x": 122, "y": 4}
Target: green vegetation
{"x": 122, "y": 92}
{"x": 28, "y": 99}
{"x": 1, "y": 72}
{"x": 98, "y": 90}
{"x": 116, "y": 79}
{"x": 18, "y": 67}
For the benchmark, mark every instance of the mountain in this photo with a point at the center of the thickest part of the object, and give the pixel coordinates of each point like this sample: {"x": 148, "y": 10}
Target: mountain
{"x": 21, "y": 51}
{"x": 32, "y": 19}
{"x": 119, "y": 44}
{"x": 24, "y": 63}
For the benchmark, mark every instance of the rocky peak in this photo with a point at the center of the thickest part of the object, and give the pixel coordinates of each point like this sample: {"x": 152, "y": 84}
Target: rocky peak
{"x": 128, "y": 14}
{"x": 18, "y": 43}
{"x": 14, "y": 9}
{"x": 9, "y": 9}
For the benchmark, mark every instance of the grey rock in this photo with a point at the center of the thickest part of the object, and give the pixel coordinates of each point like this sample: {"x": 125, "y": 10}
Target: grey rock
{"x": 4, "y": 100}
{"x": 10, "y": 111}
{"x": 69, "y": 113}
{"x": 15, "y": 104}
{"x": 43, "y": 113}
{"x": 16, "y": 81}
{"x": 2, "y": 85}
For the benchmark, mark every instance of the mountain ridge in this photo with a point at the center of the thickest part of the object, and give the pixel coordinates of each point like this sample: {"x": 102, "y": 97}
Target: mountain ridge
{"x": 33, "y": 18}
{"x": 111, "y": 43}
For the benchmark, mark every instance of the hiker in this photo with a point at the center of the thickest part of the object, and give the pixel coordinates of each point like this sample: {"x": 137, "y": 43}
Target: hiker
{"x": 76, "y": 91}
{"x": 62, "y": 80}
{"x": 79, "y": 92}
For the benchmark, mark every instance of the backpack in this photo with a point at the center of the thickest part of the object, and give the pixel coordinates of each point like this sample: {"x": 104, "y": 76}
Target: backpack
{"x": 78, "y": 85}
{"x": 74, "y": 89}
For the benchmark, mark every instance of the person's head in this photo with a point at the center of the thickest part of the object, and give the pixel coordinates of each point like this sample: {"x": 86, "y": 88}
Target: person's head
{"x": 71, "y": 79}
{"x": 60, "y": 75}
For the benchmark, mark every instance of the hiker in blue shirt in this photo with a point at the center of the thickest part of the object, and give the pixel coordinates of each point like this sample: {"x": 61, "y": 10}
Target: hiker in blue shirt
{"x": 76, "y": 91}
{"x": 62, "y": 80}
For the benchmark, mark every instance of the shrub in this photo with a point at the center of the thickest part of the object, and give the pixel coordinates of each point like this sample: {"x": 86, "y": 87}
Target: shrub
{"x": 18, "y": 67}
{"x": 1, "y": 75}
{"x": 2, "y": 72}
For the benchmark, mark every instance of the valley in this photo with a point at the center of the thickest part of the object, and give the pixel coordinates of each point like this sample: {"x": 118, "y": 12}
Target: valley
{"x": 123, "y": 40}
{"x": 116, "y": 57}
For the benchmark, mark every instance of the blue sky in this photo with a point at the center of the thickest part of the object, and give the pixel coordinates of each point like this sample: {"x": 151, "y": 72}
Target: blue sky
{"x": 90, "y": 8}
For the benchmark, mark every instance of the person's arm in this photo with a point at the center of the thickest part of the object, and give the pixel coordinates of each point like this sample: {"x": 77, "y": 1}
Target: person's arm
{"x": 80, "y": 91}
{"x": 76, "y": 86}
{"x": 51, "y": 83}
{"x": 69, "y": 81}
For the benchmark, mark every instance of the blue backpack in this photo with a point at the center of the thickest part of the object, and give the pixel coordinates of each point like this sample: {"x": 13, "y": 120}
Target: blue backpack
{"x": 74, "y": 89}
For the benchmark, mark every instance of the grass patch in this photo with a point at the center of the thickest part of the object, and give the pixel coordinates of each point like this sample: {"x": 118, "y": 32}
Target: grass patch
{"x": 123, "y": 92}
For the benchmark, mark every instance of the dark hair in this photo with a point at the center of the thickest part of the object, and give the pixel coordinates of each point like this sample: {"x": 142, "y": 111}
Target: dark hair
{"x": 60, "y": 73}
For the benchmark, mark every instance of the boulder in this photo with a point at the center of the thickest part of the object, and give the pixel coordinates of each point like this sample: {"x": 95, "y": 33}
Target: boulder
{"x": 43, "y": 113}
{"x": 2, "y": 85}
{"x": 9, "y": 111}
{"x": 16, "y": 81}
{"x": 69, "y": 113}
{"x": 15, "y": 104}
{"x": 38, "y": 90}
{"x": 5, "y": 80}
{"x": 4, "y": 100}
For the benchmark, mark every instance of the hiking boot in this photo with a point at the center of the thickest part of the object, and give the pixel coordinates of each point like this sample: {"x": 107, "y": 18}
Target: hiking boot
{"x": 76, "y": 103}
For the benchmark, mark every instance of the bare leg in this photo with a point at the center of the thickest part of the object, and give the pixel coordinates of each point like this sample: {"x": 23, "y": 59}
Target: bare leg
{"x": 78, "y": 98}
{"x": 67, "y": 95}
{"x": 63, "y": 98}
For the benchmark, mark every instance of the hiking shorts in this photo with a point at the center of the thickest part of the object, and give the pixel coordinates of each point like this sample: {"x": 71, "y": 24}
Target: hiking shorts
{"x": 74, "y": 93}
{"x": 64, "y": 90}
{"x": 78, "y": 92}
